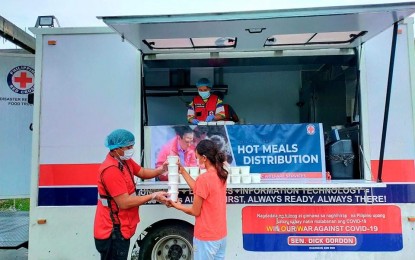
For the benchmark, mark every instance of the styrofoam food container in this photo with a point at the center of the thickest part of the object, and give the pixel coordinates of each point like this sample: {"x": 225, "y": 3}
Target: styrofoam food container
{"x": 173, "y": 169}
{"x": 173, "y": 196}
{"x": 173, "y": 178}
{"x": 173, "y": 187}
{"x": 246, "y": 179}
{"x": 211, "y": 123}
{"x": 235, "y": 170}
{"x": 220, "y": 122}
{"x": 202, "y": 123}
{"x": 194, "y": 170}
{"x": 235, "y": 178}
{"x": 256, "y": 178}
{"x": 172, "y": 159}
{"x": 245, "y": 170}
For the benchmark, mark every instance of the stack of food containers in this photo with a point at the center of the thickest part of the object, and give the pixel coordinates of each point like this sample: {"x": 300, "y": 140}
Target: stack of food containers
{"x": 242, "y": 174}
{"x": 173, "y": 174}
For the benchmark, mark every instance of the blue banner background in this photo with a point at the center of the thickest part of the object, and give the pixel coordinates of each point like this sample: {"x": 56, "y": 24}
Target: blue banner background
{"x": 308, "y": 138}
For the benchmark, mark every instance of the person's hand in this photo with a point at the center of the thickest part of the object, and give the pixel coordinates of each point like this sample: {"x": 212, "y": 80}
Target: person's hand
{"x": 165, "y": 166}
{"x": 175, "y": 204}
{"x": 195, "y": 121}
{"x": 160, "y": 196}
{"x": 168, "y": 204}
{"x": 182, "y": 169}
{"x": 210, "y": 118}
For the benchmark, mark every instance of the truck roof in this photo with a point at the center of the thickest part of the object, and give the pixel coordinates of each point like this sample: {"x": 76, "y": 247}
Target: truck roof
{"x": 300, "y": 28}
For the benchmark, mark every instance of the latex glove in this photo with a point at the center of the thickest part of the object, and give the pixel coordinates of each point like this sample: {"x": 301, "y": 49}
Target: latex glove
{"x": 210, "y": 118}
{"x": 160, "y": 196}
{"x": 195, "y": 121}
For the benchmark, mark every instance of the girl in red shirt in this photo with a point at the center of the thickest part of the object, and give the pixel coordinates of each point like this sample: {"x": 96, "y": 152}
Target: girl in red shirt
{"x": 209, "y": 203}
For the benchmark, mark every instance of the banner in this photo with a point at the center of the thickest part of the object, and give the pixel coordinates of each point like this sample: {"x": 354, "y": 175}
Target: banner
{"x": 322, "y": 228}
{"x": 278, "y": 151}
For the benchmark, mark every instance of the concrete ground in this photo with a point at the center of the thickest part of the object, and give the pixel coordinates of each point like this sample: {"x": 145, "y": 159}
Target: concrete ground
{"x": 14, "y": 254}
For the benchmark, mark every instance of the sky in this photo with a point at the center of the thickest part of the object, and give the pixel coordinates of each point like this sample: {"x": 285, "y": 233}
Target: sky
{"x": 83, "y": 13}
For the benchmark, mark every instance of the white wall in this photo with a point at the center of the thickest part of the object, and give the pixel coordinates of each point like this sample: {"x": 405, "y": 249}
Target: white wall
{"x": 257, "y": 97}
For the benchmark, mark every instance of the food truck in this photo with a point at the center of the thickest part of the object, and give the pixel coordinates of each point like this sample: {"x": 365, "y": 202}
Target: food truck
{"x": 325, "y": 95}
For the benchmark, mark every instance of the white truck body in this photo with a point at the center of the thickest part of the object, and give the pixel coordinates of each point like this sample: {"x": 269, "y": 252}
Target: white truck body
{"x": 15, "y": 124}
{"x": 91, "y": 81}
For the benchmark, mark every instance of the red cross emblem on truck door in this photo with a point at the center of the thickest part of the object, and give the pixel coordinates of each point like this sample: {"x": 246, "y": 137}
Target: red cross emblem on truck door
{"x": 21, "y": 79}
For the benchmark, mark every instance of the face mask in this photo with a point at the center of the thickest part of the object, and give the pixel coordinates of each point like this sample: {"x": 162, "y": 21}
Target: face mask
{"x": 204, "y": 94}
{"x": 128, "y": 154}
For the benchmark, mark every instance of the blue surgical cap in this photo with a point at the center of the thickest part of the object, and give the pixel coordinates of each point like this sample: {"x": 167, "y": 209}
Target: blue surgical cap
{"x": 203, "y": 82}
{"x": 119, "y": 138}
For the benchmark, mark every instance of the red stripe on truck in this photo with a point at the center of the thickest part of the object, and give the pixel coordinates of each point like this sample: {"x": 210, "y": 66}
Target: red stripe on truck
{"x": 394, "y": 170}
{"x": 68, "y": 174}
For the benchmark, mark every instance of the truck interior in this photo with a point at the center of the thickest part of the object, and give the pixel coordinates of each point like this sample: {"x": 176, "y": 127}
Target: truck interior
{"x": 272, "y": 67}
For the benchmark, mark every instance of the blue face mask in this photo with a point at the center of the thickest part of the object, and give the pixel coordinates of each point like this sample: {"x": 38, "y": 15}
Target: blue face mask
{"x": 204, "y": 94}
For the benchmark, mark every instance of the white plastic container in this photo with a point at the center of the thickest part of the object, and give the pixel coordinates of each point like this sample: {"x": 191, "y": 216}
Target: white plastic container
{"x": 173, "y": 196}
{"x": 220, "y": 122}
{"x": 246, "y": 178}
{"x": 173, "y": 169}
{"x": 245, "y": 170}
{"x": 235, "y": 170}
{"x": 173, "y": 187}
{"x": 256, "y": 178}
{"x": 194, "y": 170}
{"x": 172, "y": 159}
{"x": 211, "y": 123}
{"x": 235, "y": 178}
{"x": 173, "y": 178}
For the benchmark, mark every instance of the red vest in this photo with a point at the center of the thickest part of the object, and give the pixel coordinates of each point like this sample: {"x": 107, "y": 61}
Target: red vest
{"x": 105, "y": 216}
{"x": 202, "y": 109}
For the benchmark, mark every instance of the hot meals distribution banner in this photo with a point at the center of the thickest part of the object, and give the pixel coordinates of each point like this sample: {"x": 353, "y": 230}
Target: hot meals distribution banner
{"x": 277, "y": 151}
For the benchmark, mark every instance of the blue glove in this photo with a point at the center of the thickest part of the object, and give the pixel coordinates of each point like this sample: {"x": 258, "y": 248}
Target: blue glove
{"x": 195, "y": 121}
{"x": 210, "y": 118}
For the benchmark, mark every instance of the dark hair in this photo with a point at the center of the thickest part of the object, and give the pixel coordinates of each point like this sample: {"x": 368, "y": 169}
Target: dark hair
{"x": 182, "y": 130}
{"x": 209, "y": 149}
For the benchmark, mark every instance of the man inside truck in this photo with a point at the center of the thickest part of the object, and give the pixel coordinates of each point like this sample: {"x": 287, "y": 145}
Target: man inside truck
{"x": 205, "y": 107}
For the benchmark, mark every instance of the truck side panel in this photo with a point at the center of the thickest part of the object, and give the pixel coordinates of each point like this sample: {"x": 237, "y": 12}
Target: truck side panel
{"x": 80, "y": 102}
{"x": 400, "y": 140}
{"x": 16, "y": 82}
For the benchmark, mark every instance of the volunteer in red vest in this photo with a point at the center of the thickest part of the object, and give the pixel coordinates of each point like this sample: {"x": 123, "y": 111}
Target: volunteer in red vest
{"x": 205, "y": 106}
{"x": 116, "y": 215}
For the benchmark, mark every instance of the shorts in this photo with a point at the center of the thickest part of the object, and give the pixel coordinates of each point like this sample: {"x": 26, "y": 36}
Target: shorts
{"x": 209, "y": 250}
{"x": 115, "y": 247}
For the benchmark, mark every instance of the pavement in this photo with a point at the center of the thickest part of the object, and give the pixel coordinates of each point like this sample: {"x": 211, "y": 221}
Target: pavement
{"x": 14, "y": 254}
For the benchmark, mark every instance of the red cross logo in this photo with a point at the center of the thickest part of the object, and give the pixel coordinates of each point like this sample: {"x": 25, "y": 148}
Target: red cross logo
{"x": 310, "y": 129}
{"x": 23, "y": 80}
